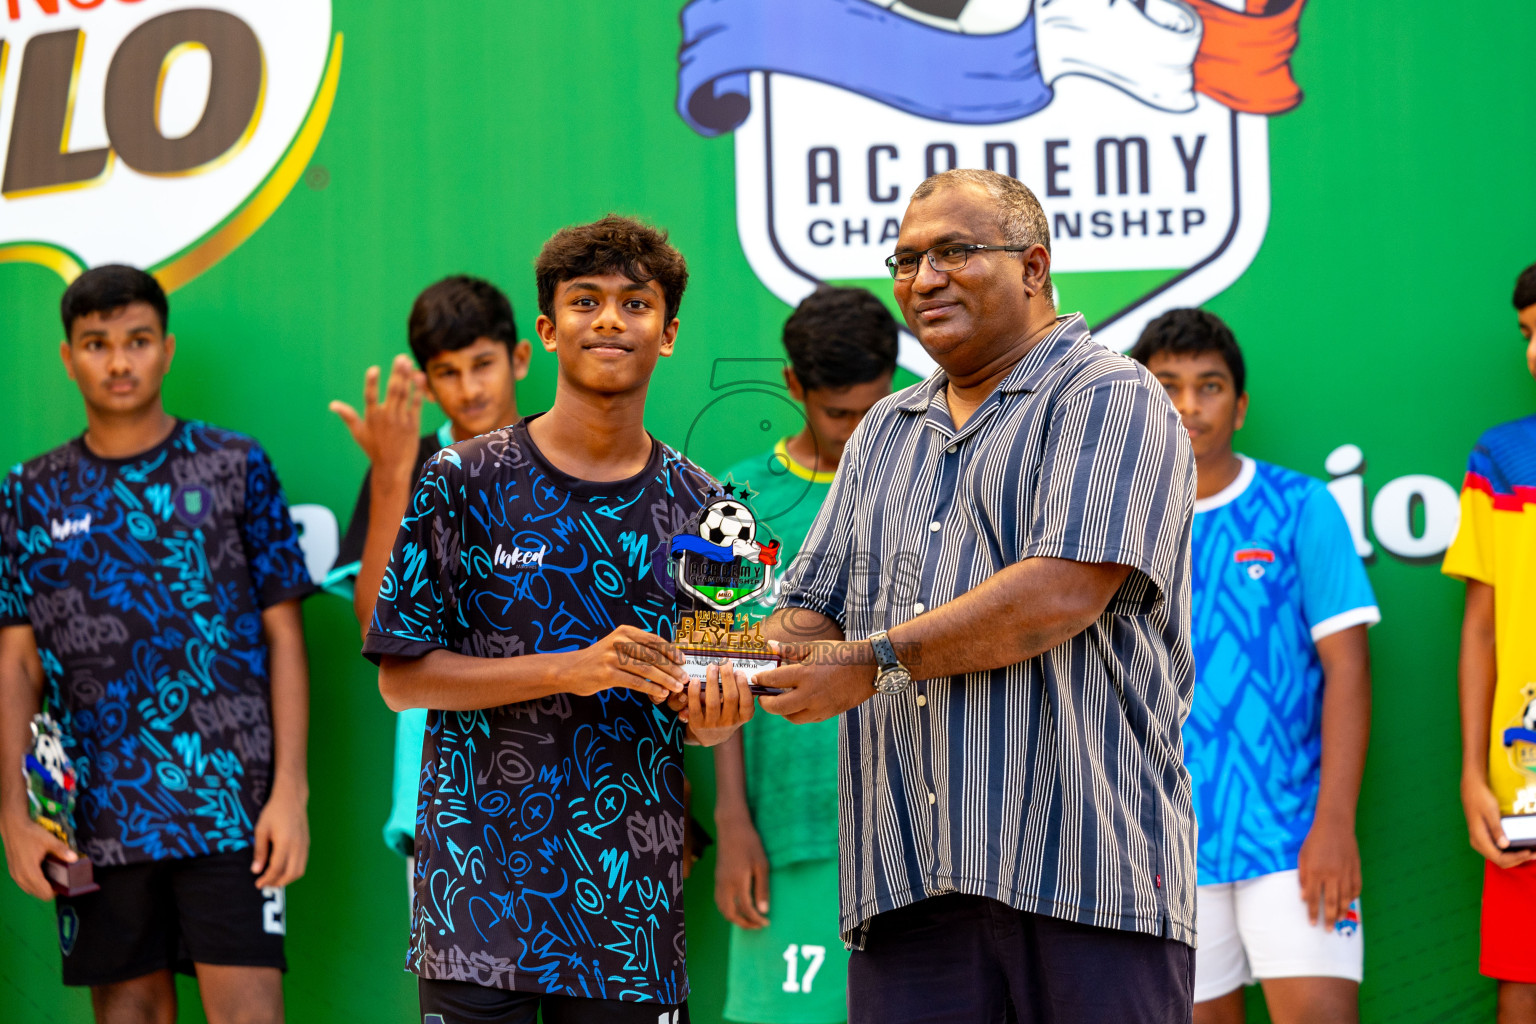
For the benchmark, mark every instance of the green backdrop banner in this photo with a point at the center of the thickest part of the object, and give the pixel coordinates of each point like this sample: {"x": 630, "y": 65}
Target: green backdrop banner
{"x": 298, "y": 170}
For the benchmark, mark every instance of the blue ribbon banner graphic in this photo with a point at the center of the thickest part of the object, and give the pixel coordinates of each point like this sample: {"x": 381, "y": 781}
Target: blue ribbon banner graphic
{"x": 857, "y": 46}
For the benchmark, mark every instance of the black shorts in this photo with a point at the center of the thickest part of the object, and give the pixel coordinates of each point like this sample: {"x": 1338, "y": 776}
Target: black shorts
{"x": 958, "y": 959}
{"x": 463, "y": 1002}
{"x": 171, "y": 914}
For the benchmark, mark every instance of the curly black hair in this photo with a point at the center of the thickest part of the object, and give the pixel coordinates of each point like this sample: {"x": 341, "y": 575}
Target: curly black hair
{"x": 613, "y": 245}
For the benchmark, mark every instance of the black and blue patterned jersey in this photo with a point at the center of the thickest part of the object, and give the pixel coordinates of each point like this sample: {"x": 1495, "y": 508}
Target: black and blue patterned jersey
{"x": 548, "y": 833}
{"x": 144, "y": 580}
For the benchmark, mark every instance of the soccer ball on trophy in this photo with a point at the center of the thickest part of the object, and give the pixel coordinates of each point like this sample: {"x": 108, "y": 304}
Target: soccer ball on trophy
{"x": 52, "y": 789}
{"x": 726, "y": 522}
{"x": 1520, "y": 741}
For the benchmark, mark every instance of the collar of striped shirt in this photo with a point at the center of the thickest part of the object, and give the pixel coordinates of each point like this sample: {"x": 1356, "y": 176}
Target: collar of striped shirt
{"x": 1055, "y": 785}
{"x": 1026, "y": 376}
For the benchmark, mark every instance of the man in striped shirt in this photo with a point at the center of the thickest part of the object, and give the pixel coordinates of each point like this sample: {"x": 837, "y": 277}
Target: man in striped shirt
{"x": 997, "y": 592}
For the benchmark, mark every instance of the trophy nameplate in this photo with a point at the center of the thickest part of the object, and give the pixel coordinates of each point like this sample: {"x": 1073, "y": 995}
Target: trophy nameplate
{"x": 713, "y": 640}
{"x": 51, "y": 794}
{"x": 1520, "y": 830}
{"x": 719, "y": 565}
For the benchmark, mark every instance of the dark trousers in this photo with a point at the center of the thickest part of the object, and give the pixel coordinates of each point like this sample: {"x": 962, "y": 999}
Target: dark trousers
{"x": 957, "y": 958}
{"x": 462, "y": 1002}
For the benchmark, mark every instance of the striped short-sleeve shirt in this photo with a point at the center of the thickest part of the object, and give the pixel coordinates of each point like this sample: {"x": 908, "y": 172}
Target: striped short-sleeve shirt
{"x": 1055, "y": 785}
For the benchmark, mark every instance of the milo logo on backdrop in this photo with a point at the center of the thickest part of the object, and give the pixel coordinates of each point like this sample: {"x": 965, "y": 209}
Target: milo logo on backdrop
{"x": 160, "y": 133}
{"x": 1142, "y": 126}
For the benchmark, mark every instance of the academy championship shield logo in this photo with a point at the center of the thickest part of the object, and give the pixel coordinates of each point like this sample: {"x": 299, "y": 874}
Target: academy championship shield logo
{"x": 156, "y": 134}
{"x": 721, "y": 563}
{"x": 1142, "y": 125}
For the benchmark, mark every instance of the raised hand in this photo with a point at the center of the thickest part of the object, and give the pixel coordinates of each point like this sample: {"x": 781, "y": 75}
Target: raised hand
{"x": 387, "y": 430}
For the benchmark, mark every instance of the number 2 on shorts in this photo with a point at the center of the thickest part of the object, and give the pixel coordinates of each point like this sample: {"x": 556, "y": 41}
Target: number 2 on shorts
{"x": 814, "y": 956}
{"x": 274, "y": 910}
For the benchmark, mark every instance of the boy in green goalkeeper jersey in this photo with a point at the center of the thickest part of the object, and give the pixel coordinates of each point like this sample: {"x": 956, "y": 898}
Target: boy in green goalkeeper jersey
{"x": 787, "y": 961}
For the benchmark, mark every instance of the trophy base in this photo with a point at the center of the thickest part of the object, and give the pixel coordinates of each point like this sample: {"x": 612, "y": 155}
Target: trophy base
{"x": 697, "y": 659}
{"x": 70, "y": 879}
{"x": 1520, "y": 830}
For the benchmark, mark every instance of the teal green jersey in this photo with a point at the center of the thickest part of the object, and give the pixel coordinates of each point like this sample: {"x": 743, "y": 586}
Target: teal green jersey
{"x": 794, "y": 971}
{"x": 410, "y": 726}
{"x": 791, "y": 769}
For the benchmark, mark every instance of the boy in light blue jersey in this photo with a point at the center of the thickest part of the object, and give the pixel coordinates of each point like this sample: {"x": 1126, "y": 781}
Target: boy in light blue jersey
{"x": 1276, "y": 737}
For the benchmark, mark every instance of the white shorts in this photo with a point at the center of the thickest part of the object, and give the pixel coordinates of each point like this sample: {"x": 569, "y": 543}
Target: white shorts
{"x": 1258, "y": 928}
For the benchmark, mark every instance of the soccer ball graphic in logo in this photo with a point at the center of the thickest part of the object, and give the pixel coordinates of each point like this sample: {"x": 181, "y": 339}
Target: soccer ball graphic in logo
{"x": 49, "y": 752}
{"x": 725, "y": 565}
{"x": 1010, "y": 85}
{"x": 1520, "y": 742}
{"x": 727, "y": 521}
{"x": 972, "y": 17}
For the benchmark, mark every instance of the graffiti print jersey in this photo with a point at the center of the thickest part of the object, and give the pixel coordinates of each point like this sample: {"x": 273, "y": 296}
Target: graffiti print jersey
{"x": 1275, "y": 572}
{"x": 144, "y": 580}
{"x": 548, "y": 833}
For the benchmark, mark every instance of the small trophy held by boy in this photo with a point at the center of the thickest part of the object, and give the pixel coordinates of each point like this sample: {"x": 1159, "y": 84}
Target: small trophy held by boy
{"x": 51, "y": 794}
{"x": 719, "y": 565}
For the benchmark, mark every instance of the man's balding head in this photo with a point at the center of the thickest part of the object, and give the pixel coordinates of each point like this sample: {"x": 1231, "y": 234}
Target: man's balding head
{"x": 983, "y": 313}
{"x": 1019, "y": 214}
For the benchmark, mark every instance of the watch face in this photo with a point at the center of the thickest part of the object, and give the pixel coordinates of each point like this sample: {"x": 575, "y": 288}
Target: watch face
{"x": 894, "y": 680}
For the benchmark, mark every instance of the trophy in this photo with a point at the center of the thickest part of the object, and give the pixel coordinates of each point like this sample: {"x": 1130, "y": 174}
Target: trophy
{"x": 719, "y": 565}
{"x": 51, "y": 794}
{"x": 1520, "y": 742}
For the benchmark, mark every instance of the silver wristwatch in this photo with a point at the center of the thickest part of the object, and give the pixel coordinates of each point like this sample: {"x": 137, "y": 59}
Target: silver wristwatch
{"x": 891, "y": 676}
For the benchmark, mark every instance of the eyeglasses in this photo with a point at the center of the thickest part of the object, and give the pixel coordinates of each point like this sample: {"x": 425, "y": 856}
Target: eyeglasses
{"x": 944, "y": 258}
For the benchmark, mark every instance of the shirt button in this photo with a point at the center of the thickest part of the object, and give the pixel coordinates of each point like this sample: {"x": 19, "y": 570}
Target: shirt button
{"x": 922, "y": 701}
{"x": 932, "y": 799}
{"x": 918, "y": 608}
{"x": 952, "y": 449}
{"x": 935, "y": 526}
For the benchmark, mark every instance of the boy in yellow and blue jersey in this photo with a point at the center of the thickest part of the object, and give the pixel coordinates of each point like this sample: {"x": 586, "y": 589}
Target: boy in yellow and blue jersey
{"x": 777, "y": 825}
{"x": 1495, "y": 553}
